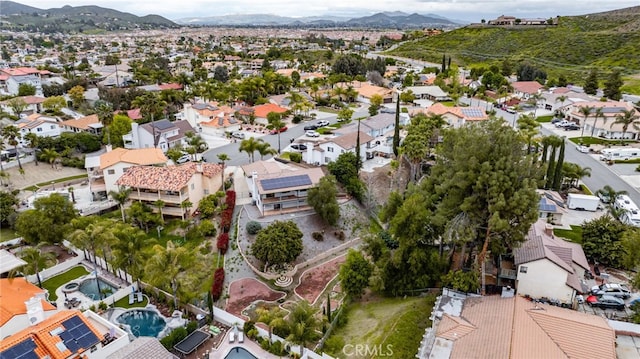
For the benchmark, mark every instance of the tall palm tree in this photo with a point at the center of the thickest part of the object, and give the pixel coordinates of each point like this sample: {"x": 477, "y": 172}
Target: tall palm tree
{"x": 37, "y": 260}
{"x": 303, "y": 324}
{"x": 104, "y": 110}
{"x": 121, "y": 197}
{"x": 186, "y": 205}
{"x": 129, "y": 250}
{"x": 93, "y": 237}
{"x": 196, "y": 143}
{"x": 265, "y": 149}
{"x": 51, "y": 156}
{"x": 223, "y": 157}
{"x": 275, "y": 123}
{"x": 273, "y": 318}
{"x": 12, "y": 135}
{"x": 598, "y": 113}
{"x": 562, "y": 99}
{"x": 609, "y": 195}
{"x": 171, "y": 265}
{"x": 250, "y": 146}
{"x": 159, "y": 204}
{"x": 586, "y": 111}
{"x": 528, "y": 128}
{"x": 626, "y": 118}
{"x": 32, "y": 142}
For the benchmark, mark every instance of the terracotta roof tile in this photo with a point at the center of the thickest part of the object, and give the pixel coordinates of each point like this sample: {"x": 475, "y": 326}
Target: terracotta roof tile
{"x": 529, "y": 87}
{"x": 348, "y": 141}
{"x": 83, "y": 122}
{"x": 262, "y": 111}
{"x": 141, "y": 157}
{"x": 13, "y": 293}
{"x": 170, "y": 178}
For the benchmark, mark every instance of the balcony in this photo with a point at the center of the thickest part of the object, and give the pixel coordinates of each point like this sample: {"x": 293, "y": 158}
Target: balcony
{"x": 508, "y": 273}
{"x": 154, "y": 196}
{"x": 281, "y": 199}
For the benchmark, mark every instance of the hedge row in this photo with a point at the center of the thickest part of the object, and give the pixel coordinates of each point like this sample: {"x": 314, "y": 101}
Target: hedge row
{"x": 218, "y": 284}
{"x": 223, "y": 243}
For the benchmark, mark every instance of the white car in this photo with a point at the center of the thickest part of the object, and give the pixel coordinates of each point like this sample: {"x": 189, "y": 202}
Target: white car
{"x": 238, "y": 135}
{"x": 323, "y": 123}
{"x": 183, "y": 159}
{"x": 583, "y": 149}
{"x": 312, "y": 134}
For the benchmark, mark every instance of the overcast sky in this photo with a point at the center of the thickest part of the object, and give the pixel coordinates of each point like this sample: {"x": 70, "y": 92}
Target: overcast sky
{"x": 468, "y": 10}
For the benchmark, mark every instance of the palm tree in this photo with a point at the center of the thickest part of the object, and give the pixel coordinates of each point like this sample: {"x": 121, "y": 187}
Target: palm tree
{"x": 223, "y": 157}
{"x": 121, "y": 197}
{"x": 94, "y": 237}
{"x": 626, "y": 118}
{"x": 561, "y": 99}
{"x": 171, "y": 265}
{"x": 608, "y": 195}
{"x": 196, "y": 143}
{"x": 598, "y": 113}
{"x": 12, "y": 135}
{"x": 104, "y": 110}
{"x": 32, "y": 142}
{"x": 303, "y": 324}
{"x": 51, "y": 156}
{"x": 37, "y": 260}
{"x": 528, "y": 127}
{"x": 250, "y": 146}
{"x": 586, "y": 111}
{"x": 159, "y": 204}
{"x": 129, "y": 250}
{"x": 273, "y": 318}
{"x": 265, "y": 149}
{"x": 275, "y": 124}
{"x": 186, "y": 205}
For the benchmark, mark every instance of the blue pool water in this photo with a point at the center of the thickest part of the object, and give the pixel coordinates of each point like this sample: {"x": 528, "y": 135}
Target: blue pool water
{"x": 143, "y": 323}
{"x": 239, "y": 353}
{"x": 89, "y": 288}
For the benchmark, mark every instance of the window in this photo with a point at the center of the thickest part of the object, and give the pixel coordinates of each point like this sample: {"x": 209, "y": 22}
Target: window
{"x": 193, "y": 186}
{"x": 329, "y": 149}
{"x": 53, "y": 127}
{"x": 206, "y": 191}
{"x": 124, "y": 170}
{"x": 111, "y": 172}
{"x": 523, "y": 269}
{"x": 39, "y": 129}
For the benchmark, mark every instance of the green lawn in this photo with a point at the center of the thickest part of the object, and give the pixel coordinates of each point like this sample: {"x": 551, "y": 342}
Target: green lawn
{"x": 542, "y": 119}
{"x": 7, "y": 234}
{"x": 124, "y": 303}
{"x": 34, "y": 188}
{"x": 574, "y": 235}
{"x": 397, "y": 322}
{"x": 597, "y": 141}
{"x": 327, "y": 109}
{"x": 54, "y": 282}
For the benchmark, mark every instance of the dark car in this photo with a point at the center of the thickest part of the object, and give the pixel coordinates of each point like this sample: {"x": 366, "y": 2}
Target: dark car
{"x": 571, "y": 127}
{"x": 311, "y": 127}
{"x": 299, "y": 147}
{"x": 608, "y": 301}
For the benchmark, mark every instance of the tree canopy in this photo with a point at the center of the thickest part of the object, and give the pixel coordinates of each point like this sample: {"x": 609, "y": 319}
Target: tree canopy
{"x": 278, "y": 243}
{"x": 354, "y": 274}
{"x": 48, "y": 221}
{"x": 323, "y": 199}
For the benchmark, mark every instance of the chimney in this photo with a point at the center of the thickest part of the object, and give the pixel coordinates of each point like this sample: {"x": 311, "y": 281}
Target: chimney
{"x": 199, "y": 167}
{"x": 548, "y": 230}
{"x": 35, "y": 312}
{"x": 109, "y": 148}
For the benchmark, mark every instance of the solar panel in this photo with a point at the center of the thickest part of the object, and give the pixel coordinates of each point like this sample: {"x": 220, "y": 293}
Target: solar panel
{"x": 163, "y": 125}
{"x": 77, "y": 335}
{"x": 472, "y": 112}
{"x": 284, "y": 182}
{"x": 22, "y": 350}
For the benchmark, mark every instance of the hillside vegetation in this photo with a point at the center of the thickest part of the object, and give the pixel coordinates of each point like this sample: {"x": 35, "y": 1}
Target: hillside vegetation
{"x": 605, "y": 40}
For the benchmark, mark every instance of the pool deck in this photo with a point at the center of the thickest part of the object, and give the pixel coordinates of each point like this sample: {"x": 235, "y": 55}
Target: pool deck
{"x": 248, "y": 344}
{"x": 86, "y": 302}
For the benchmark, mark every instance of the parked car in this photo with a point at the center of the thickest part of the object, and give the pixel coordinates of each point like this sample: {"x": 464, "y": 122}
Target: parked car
{"x": 183, "y": 159}
{"x": 556, "y": 120}
{"x": 612, "y": 289}
{"x": 239, "y": 135}
{"x": 608, "y": 301}
{"x": 583, "y": 149}
{"x": 282, "y": 129}
{"x": 311, "y": 127}
{"x": 634, "y": 302}
{"x": 312, "y": 134}
{"x": 564, "y": 123}
{"x": 323, "y": 123}
{"x": 299, "y": 146}
{"x": 571, "y": 127}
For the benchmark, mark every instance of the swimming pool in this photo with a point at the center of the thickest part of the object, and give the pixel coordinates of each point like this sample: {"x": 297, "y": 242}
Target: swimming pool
{"x": 239, "y": 353}
{"x": 89, "y": 287}
{"x": 142, "y": 322}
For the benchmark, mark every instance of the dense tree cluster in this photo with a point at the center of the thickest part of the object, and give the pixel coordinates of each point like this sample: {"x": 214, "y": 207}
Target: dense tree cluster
{"x": 323, "y": 199}
{"x": 278, "y": 243}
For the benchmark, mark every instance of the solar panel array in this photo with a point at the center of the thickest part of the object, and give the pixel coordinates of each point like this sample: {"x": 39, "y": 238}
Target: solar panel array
{"x": 284, "y": 182}
{"x": 545, "y": 206}
{"x": 23, "y": 350}
{"x": 77, "y": 335}
{"x": 472, "y": 112}
{"x": 162, "y": 124}
{"x": 611, "y": 109}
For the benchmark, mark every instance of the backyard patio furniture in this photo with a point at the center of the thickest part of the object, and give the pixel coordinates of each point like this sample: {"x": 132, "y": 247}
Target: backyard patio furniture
{"x": 140, "y": 299}
{"x": 131, "y": 298}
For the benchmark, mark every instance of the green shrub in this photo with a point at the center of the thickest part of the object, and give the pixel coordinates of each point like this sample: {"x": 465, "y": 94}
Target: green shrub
{"x": 248, "y": 325}
{"x": 317, "y": 236}
{"x": 253, "y": 227}
{"x": 295, "y": 157}
{"x": 297, "y": 119}
{"x": 277, "y": 349}
{"x": 174, "y": 337}
{"x": 192, "y": 326}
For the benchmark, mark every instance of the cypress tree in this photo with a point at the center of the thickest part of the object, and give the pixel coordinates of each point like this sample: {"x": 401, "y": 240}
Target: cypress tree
{"x": 449, "y": 65}
{"x": 557, "y": 177}
{"x": 358, "y": 159}
{"x": 329, "y": 308}
{"x": 396, "y": 129}
{"x": 551, "y": 168}
{"x": 444, "y": 63}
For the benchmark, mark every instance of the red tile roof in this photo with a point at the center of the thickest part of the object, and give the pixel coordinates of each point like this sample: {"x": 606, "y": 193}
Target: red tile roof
{"x": 529, "y": 87}
{"x": 83, "y": 122}
{"x": 170, "y": 178}
{"x": 139, "y": 156}
{"x": 13, "y": 293}
{"x": 262, "y": 111}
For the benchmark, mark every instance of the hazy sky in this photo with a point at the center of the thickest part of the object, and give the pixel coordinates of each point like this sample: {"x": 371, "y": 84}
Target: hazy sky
{"x": 468, "y": 10}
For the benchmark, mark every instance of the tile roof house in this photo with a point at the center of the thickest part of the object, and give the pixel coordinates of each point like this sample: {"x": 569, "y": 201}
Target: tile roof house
{"x": 34, "y": 104}
{"x": 328, "y": 150}
{"x": 89, "y": 124}
{"x": 41, "y": 125}
{"x": 211, "y": 119}
{"x": 12, "y": 78}
{"x": 366, "y": 91}
{"x": 551, "y": 206}
{"x": 603, "y": 126}
{"x": 455, "y": 116}
{"x": 549, "y": 266}
{"x": 162, "y": 134}
{"x": 66, "y": 334}
{"x": 14, "y": 295}
{"x": 262, "y": 111}
{"x": 525, "y": 89}
{"x": 143, "y": 348}
{"x": 513, "y": 327}
{"x": 104, "y": 170}
{"x": 278, "y": 188}
{"x": 174, "y": 185}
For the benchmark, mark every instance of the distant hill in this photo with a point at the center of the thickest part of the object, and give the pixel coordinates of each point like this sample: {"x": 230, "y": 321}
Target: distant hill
{"x": 16, "y": 16}
{"x": 605, "y": 40}
{"x": 395, "y": 19}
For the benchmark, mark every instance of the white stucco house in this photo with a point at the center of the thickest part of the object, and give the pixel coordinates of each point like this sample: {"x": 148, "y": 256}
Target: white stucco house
{"x": 162, "y": 134}
{"x": 41, "y": 125}
{"x": 548, "y": 266}
{"x": 325, "y": 151}
{"x": 602, "y": 124}
{"x": 12, "y": 78}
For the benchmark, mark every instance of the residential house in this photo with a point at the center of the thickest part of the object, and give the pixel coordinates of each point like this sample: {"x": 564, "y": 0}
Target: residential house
{"x": 9, "y": 262}
{"x": 454, "y": 116}
{"x": 549, "y": 266}
{"x": 114, "y": 76}
{"x": 104, "y": 171}
{"x": 162, "y": 134}
{"x": 65, "y": 334}
{"x": 12, "y": 78}
{"x": 560, "y": 99}
{"x": 431, "y": 93}
{"x": 33, "y": 104}
{"x": 513, "y": 327}
{"x": 262, "y": 111}
{"x": 211, "y": 119}
{"x": 176, "y": 186}
{"x": 551, "y": 207}
{"x": 89, "y": 124}
{"x": 278, "y": 188}
{"x": 381, "y": 128}
{"x": 325, "y": 151}
{"x": 17, "y": 296}
{"x": 603, "y": 125}
{"x": 525, "y": 89}
{"x": 366, "y": 91}
{"x": 161, "y": 87}
{"x": 41, "y": 125}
